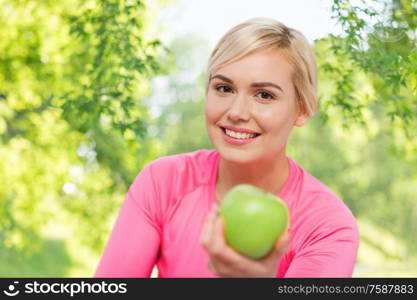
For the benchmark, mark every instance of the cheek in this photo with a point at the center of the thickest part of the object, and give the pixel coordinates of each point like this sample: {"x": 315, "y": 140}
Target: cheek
{"x": 212, "y": 110}
{"x": 277, "y": 121}
{"x": 269, "y": 120}
{"x": 208, "y": 112}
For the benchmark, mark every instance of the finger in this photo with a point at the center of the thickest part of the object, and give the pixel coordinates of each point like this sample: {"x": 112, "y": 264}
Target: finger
{"x": 218, "y": 245}
{"x": 220, "y": 249}
{"x": 280, "y": 247}
{"x": 215, "y": 208}
{"x": 208, "y": 228}
{"x": 212, "y": 267}
{"x": 216, "y": 237}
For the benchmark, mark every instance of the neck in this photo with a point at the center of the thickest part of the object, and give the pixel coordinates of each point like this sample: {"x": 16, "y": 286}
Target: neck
{"x": 268, "y": 174}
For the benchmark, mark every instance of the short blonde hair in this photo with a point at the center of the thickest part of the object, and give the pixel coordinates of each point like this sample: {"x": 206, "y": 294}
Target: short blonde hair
{"x": 258, "y": 33}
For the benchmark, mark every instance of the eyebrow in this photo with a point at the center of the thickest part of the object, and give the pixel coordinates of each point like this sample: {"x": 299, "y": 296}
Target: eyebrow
{"x": 255, "y": 84}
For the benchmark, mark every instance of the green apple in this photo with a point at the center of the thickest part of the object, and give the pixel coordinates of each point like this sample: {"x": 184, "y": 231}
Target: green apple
{"x": 254, "y": 219}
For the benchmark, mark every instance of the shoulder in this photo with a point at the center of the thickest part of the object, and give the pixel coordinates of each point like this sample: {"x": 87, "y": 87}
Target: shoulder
{"x": 309, "y": 192}
{"x": 317, "y": 209}
{"x": 163, "y": 181}
{"x": 178, "y": 174}
{"x": 331, "y": 206}
{"x": 189, "y": 164}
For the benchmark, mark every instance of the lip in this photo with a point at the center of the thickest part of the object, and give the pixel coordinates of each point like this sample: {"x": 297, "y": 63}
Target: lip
{"x": 236, "y": 129}
{"x": 237, "y": 142}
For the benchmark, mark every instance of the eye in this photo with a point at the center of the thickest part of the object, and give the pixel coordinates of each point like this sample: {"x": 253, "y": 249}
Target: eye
{"x": 223, "y": 89}
{"x": 266, "y": 96}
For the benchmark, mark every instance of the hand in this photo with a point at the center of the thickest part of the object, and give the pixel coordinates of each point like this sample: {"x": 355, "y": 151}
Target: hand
{"x": 224, "y": 261}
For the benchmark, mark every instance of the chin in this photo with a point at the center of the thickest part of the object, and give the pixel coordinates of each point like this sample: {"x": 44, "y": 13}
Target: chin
{"x": 238, "y": 156}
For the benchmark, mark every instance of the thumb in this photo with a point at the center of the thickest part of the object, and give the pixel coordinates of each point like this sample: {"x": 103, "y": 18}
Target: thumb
{"x": 280, "y": 247}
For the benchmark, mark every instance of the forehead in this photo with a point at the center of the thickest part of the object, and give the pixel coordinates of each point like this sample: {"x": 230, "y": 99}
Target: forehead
{"x": 263, "y": 65}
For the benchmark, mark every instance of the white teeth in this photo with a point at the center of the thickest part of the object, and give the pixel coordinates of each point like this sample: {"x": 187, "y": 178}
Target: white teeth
{"x": 239, "y": 135}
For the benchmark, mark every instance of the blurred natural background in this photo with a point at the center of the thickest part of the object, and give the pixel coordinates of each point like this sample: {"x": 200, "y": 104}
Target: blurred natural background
{"x": 92, "y": 90}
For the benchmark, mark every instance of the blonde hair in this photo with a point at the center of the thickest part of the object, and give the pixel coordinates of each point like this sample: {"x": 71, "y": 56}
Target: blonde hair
{"x": 258, "y": 33}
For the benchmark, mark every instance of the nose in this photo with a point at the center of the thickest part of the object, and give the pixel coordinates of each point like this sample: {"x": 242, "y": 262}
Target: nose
{"x": 239, "y": 110}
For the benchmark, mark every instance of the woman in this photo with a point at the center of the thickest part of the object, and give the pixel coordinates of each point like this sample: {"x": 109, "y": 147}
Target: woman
{"x": 261, "y": 82}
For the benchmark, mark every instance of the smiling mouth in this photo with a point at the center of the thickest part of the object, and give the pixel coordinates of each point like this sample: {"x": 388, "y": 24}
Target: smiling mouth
{"x": 251, "y": 137}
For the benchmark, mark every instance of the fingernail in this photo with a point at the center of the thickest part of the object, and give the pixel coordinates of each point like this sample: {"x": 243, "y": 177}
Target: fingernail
{"x": 215, "y": 209}
{"x": 212, "y": 214}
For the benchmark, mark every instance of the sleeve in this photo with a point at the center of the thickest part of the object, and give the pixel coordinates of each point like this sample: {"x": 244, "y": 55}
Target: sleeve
{"x": 133, "y": 246}
{"x": 330, "y": 248}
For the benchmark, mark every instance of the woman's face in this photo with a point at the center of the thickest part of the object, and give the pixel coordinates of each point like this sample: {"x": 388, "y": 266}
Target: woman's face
{"x": 255, "y": 93}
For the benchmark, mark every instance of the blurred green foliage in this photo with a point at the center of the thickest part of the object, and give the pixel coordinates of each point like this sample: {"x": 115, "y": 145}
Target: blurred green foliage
{"x": 72, "y": 124}
{"x": 379, "y": 38}
{"x": 77, "y": 92}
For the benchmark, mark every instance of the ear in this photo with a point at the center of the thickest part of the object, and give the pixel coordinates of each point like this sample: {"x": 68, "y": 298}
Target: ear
{"x": 301, "y": 120}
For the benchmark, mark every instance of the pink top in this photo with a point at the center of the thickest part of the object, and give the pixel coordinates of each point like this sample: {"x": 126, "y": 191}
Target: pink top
{"x": 163, "y": 214}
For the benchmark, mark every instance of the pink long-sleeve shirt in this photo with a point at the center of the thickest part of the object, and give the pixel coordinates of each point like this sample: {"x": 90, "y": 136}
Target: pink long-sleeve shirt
{"x": 161, "y": 220}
